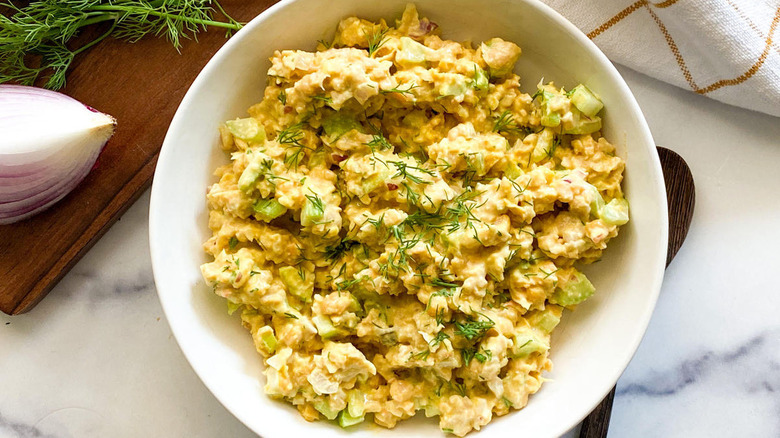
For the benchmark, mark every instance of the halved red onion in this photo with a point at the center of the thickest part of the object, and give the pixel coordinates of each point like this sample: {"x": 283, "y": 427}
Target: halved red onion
{"x": 48, "y": 144}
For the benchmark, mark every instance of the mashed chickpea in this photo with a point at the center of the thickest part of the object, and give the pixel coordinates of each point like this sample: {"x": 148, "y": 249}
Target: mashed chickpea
{"x": 399, "y": 224}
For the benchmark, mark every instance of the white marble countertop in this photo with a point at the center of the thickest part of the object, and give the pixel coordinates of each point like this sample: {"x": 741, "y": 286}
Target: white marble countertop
{"x": 96, "y": 358}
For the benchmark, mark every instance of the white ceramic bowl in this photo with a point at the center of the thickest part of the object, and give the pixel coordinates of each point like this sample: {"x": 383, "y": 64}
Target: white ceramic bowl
{"x": 591, "y": 347}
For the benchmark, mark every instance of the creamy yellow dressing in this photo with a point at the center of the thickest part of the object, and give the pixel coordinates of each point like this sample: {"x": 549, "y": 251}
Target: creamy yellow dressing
{"x": 399, "y": 224}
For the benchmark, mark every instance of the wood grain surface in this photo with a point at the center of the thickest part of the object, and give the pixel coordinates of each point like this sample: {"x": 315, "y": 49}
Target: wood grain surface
{"x": 141, "y": 85}
{"x": 681, "y": 198}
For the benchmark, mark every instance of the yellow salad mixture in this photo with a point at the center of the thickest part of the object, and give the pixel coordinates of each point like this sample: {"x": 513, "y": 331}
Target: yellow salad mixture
{"x": 399, "y": 224}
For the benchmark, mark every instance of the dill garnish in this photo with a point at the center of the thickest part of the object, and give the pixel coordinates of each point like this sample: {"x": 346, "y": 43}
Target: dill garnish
{"x": 376, "y": 40}
{"x": 471, "y": 329}
{"x": 335, "y": 252}
{"x": 400, "y": 90}
{"x": 403, "y": 171}
{"x": 506, "y": 124}
{"x": 42, "y": 29}
{"x": 292, "y": 137}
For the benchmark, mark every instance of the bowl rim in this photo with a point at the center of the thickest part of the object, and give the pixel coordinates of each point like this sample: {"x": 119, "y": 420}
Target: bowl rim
{"x": 643, "y": 319}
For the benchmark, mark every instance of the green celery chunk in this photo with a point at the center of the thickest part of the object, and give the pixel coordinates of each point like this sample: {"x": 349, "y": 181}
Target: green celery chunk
{"x": 269, "y": 341}
{"x": 582, "y": 124}
{"x": 455, "y": 87}
{"x": 512, "y": 170}
{"x": 268, "y": 209}
{"x": 339, "y": 123}
{"x": 412, "y": 53}
{"x": 573, "y": 290}
{"x": 248, "y": 129}
{"x": 324, "y": 408}
{"x": 250, "y": 175}
{"x": 585, "y": 100}
{"x": 325, "y": 328}
{"x": 544, "y": 144}
{"x": 346, "y": 419}
{"x": 526, "y": 342}
{"x": 480, "y": 81}
{"x": 551, "y": 119}
{"x": 547, "y": 319}
{"x": 312, "y": 212}
{"x": 356, "y": 400}
{"x": 298, "y": 282}
{"x": 232, "y": 307}
{"x": 597, "y": 204}
{"x": 377, "y": 180}
{"x": 615, "y": 212}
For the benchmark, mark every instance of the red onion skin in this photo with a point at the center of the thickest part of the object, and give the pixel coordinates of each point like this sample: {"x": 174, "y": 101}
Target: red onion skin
{"x": 33, "y": 180}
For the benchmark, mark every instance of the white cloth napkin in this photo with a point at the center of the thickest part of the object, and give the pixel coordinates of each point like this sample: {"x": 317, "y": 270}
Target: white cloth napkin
{"x": 724, "y": 49}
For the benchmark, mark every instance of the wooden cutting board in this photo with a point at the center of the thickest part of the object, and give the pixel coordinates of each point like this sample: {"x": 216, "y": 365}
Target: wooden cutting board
{"x": 141, "y": 85}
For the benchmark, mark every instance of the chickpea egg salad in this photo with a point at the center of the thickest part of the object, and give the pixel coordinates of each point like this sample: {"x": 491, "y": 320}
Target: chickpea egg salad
{"x": 399, "y": 224}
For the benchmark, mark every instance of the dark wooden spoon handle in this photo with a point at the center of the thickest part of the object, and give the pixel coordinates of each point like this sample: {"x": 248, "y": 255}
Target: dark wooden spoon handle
{"x": 681, "y": 197}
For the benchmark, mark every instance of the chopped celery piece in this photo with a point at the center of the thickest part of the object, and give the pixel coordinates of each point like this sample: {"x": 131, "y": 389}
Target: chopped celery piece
{"x": 547, "y": 319}
{"x": 339, "y": 123}
{"x": 347, "y": 420}
{"x": 582, "y": 124}
{"x": 268, "y": 209}
{"x": 298, "y": 282}
{"x": 551, "y": 119}
{"x": 268, "y": 340}
{"x": 325, "y": 327}
{"x": 525, "y": 342}
{"x": 248, "y": 129}
{"x": 585, "y": 100}
{"x": 431, "y": 410}
{"x": 250, "y": 175}
{"x": 412, "y": 53}
{"x": 480, "y": 81}
{"x": 313, "y": 211}
{"x": 574, "y": 290}
{"x": 317, "y": 158}
{"x": 356, "y": 401}
{"x": 597, "y": 204}
{"x": 454, "y": 87}
{"x": 232, "y": 307}
{"x": 354, "y": 305}
{"x": 512, "y": 170}
{"x": 324, "y": 408}
{"x": 615, "y": 212}
{"x": 544, "y": 144}
{"x": 376, "y": 180}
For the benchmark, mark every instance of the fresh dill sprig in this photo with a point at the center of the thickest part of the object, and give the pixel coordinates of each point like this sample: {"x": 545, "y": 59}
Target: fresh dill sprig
{"x": 506, "y": 124}
{"x": 403, "y": 171}
{"x": 326, "y": 99}
{"x": 346, "y": 284}
{"x": 282, "y": 96}
{"x": 439, "y": 338}
{"x": 378, "y": 141}
{"x": 292, "y": 137}
{"x": 337, "y": 251}
{"x": 316, "y": 202}
{"x": 420, "y": 355}
{"x": 376, "y": 40}
{"x": 471, "y": 329}
{"x": 34, "y": 39}
{"x": 266, "y": 170}
{"x": 400, "y": 90}
{"x": 441, "y": 283}
{"x": 550, "y": 152}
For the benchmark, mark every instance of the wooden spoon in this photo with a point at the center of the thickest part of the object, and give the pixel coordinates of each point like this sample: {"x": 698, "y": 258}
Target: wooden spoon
{"x": 681, "y": 197}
